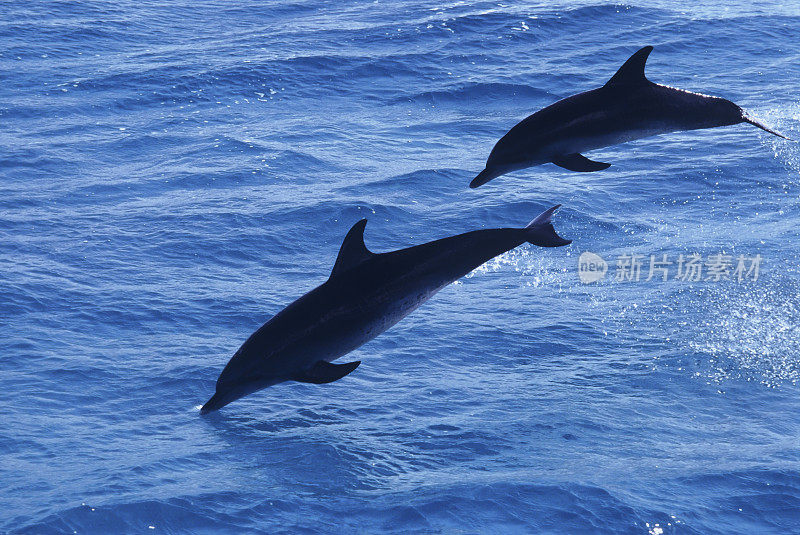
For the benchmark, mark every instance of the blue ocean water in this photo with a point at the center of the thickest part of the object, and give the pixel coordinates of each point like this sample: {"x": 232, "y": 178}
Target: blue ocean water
{"x": 173, "y": 174}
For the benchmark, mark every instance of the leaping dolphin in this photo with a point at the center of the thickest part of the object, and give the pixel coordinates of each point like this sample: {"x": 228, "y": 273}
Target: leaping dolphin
{"x": 366, "y": 294}
{"x": 628, "y": 107}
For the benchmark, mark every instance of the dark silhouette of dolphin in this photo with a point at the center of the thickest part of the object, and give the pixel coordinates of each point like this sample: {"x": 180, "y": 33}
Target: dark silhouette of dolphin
{"x": 365, "y": 295}
{"x": 628, "y": 107}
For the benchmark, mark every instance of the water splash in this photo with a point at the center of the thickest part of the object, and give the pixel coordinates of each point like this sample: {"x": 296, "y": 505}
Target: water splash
{"x": 753, "y": 335}
{"x": 538, "y": 271}
{"x": 787, "y": 121}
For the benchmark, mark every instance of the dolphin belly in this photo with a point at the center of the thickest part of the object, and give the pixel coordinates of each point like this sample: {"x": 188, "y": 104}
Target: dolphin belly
{"x": 618, "y": 136}
{"x": 384, "y": 313}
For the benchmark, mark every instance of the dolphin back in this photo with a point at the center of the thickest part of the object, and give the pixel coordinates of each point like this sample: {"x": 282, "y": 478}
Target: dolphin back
{"x": 541, "y": 232}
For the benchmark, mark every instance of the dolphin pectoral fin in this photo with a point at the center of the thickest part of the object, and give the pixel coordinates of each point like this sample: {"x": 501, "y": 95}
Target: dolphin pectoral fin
{"x": 324, "y": 372}
{"x": 580, "y": 163}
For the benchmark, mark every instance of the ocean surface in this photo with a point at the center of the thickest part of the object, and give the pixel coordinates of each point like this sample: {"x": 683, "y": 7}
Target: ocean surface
{"x": 172, "y": 174}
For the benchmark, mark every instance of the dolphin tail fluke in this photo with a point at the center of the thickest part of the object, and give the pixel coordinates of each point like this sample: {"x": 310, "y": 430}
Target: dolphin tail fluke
{"x": 540, "y": 231}
{"x": 764, "y": 127}
{"x": 483, "y": 177}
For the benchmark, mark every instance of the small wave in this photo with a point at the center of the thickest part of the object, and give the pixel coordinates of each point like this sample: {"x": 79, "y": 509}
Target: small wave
{"x": 465, "y": 94}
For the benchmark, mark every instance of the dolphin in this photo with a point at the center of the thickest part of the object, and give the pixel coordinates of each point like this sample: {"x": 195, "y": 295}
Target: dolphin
{"x": 366, "y": 294}
{"x": 627, "y": 107}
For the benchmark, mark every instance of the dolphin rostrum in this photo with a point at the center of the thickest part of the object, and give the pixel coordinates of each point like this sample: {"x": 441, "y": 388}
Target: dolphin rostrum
{"x": 627, "y": 107}
{"x": 366, "y": 294}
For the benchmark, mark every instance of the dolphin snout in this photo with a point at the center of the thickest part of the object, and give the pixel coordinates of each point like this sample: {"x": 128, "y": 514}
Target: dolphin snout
{"x": 212, "y": 404}
{"x": 219, "y": 400}
{"x": 229, "y": 392}
{"x": 483, "y": 177}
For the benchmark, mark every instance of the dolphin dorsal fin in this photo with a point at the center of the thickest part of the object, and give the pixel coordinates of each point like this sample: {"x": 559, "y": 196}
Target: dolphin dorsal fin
{"x": 353, "y": 250}
{"x": 632, "y": 71}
